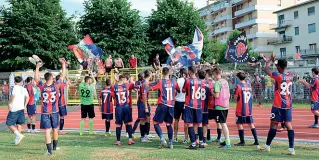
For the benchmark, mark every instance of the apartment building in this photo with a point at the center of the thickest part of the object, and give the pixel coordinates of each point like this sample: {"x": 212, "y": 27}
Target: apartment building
{"x": 298, "y": 33}
{"x": 255, "y": 17}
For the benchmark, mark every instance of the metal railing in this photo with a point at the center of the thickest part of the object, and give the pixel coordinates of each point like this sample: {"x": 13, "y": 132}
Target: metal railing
{"x": 310, "y": 52}
{"x": 280, "y": 40}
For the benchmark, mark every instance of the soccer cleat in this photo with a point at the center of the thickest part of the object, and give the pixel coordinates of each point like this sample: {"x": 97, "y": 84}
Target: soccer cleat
{"x": 201, "y": 145}
{"x": 145, "y": 139}
{"x": 130, "y": 142}
{"x": 264, "y": 149}
{"x": 240, "y": 144}
{"x": 108, "y": 133}
{"x": 91, "y": 133}
{"x": 47, "y": 154}
{"x": 29, "y": 130}
{"x": 256, "y": 144}
{"x": 170, "y": 145}
{"x": 118, "y": 143}
{"x": 291, "y": 152}
{"x": 226, "y": 146}
{"x": 175, "y": 140}
{"x": 81, "y": 134}
{"x": 314, "y": 126}
{"x": 209, "y": 141}
{"x": 150, "y": 136}
{"x": 19, "y": 139}
{"x": 162, "y": 143}
{"x": 34, "y": 131}
{"x": 185, "y": 141}
{"x": 62, "y": 132}
{"x": 191, "y": 147}
{"x": 216, "y": 141}
{"x": 222, "y": 143}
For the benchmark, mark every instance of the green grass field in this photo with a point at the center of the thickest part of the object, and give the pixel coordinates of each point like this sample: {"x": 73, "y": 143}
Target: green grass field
{"x": 98, "y": 147}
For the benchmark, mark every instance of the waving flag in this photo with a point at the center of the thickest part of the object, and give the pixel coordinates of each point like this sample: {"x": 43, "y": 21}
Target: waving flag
{"x": 185, "y": 54}
{"x": 298, "y": 56}
{"x": 237, "y": 50}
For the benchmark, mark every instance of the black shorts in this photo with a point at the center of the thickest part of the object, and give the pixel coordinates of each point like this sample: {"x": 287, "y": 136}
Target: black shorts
{"x": 15, "y": 118}
{"x": 211, "y": 114}
{"x": 108, "y": 69}
{"x": 178, "y": 109}
{"x": 221, "y": 116}
{"x": 108, "y": 116}
{"x": 87, "y": 110}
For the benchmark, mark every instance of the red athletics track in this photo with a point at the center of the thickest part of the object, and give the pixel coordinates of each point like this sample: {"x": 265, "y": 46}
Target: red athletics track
{"x": 302, "y": 118}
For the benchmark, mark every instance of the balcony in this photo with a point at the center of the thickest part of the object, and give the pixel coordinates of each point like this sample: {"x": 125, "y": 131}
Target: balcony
{"x": 282, "y": 24}
{"x": 261, "y": 35}
{"x": 210, "y": 33}
{"x": 264, "y": 49}
{"x": 222, "y": 18}
{"x": 310, "y": 52}
{"x": 208, "y": 23}
{"x": 245, "y": 11}
{"x": 252, "y": 8}
{"x": 222, "y": 30}
{"x": 253, "y": 22}
{"x": 218, "y": 6}
{"x": 238, "y": 1}
{"x": 281, "y": 40}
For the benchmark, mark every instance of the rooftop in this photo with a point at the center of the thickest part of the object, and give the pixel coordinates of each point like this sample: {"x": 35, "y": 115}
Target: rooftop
{"x": 297, "y": 5}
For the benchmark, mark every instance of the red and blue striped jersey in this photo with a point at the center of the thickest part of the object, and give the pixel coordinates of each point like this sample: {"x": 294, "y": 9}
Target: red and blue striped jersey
{"x": 130, "y": 87}
{"x": 315, "y": 90}
{"x": 120, "y": 94}
{"x": 49, "y": 97}
{"x": 138, "y": 84}
{"x": 193, "y": 96}
{"x": 166, "y": 91}
{"x": 61, "y": 101}
{"x": 144, "y": 91}
{"x": 283, "y": 88}
{"x": 29, "y": 88}
{"x": 244, "y": 100}
{"x": 206, "y": 91}
{"x": 106, "y": 97}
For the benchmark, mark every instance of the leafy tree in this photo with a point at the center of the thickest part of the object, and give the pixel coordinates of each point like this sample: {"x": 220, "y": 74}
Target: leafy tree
{"x": 34, "y": 27}
{"x": 116, "y": 28}
{"x": 214, "y": 50}
{"x": 176, "y": 19}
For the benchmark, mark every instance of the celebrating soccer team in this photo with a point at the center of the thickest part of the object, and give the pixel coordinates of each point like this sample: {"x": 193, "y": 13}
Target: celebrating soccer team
{"x": 200, "y": 96}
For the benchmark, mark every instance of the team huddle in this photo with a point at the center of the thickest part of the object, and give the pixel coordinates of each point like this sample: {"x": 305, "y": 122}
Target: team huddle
{"x": 198, "y": 96}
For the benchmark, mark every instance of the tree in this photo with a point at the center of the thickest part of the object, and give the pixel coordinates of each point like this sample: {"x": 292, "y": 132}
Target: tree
{"x": 214, "y": 50}
{"x": 34, "y": 27}
{"x": 116, "y": 28}
{"x": 176, "y": 19}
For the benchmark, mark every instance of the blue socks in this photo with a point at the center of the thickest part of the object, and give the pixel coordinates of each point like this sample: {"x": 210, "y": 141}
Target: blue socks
{"x": 271, "y": 135}
{"x": 61, "y": 124}
{"x": 158, "y": 130}
{"x": 291, "y": 137}
{"x": 49, "y": 148}
{"x": 254, "y": 132}
{"x": 191, "y": 133}
{"x": 55, "y": 144}
{"x": 170, "y": 133}
{"x": 118, "y": 133}
{"x": 241, "y": 136}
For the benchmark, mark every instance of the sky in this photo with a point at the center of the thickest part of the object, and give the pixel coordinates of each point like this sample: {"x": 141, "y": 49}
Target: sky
{"x": 144, "y": 6}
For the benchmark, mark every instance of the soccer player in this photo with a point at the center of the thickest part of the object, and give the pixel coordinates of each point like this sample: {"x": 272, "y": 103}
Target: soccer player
{"x": 193, "y": 115}
{"x": 144, "y": 108}
{"x": 61, "y": 103}
{"x": 179, "y": 106}
{"x": 16, "y": 105}
{"x": 87, "y": 88}
{"x": 105, "y": 101}
{"x": 31, "y": 107}
{"x": 131, "y": 86}
{"x": 244, "y": 99}
{"x": 206, "y": 91}
{"x": 49, "y": 115}
{"x": 222, "y": 95}
{"x": 314, "y": 88}
{"x": 165, "y": 109}
{"x": 138, "y": 85}
{"x": 282, "y": 105}
{"x": 123, "y": 112}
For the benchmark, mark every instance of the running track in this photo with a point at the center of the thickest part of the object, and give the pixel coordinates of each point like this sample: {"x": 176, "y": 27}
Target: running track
{"x": 302, "y": 118}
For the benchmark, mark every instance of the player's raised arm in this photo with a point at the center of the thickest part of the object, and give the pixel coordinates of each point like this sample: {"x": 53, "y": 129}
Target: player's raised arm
{"x": 267, "y": 69}
{"x": 63, "y": 74}
{"x": 37, "y": 71}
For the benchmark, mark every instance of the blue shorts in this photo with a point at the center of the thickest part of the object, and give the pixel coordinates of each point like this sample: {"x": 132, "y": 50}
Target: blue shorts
{"x": 49, "y": 121}
{"x": 63, "y": 111}
{"x": 123, "y": 114}
{"x": 15, "y": 118}
{"x": 164, "y": 113}
{"x": 314, "y": 106}
{"x": 244, "y": 120}
{"x": 108, "y": 116}
{"x": 279, "y": 115}
{"x": 32, "y": 110}
{"x": 141, "y": 110}
{"x": 205, "y": 119}
{"x": 192, "y": 115}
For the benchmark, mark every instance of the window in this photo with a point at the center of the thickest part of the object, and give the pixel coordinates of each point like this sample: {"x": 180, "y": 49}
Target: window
{"x": 296, "y": 14}
{"x": 311, "y": 11}
{"x": 313, "y": 46}
{"x": 297, "y": 49}
{"x": 312, "y": 28}
{"x": 281, "y": 20}
{"x": 296, "y": 31}
{"x": 283, "y": 52}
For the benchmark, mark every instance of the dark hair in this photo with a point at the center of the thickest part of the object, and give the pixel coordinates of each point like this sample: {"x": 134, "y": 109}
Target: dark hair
{"x": 58, "y": 77}
{"x": 201, "y": 74}
{"x": 29, "y": 79}
{"x": 147, "y": 73}
{"x": 122, "y": 76}
{"x": 126, "y": 76}
{"x": 241, "y": 75}
{"x": 217, "y": 70}
{"x": 86, "y": 79}
{"x": 165, "y": 71}
{"x": 192, "y": 69}
{"x": 209, "y": 72}
{"x": 315, "y": 70}
{"x": 17, "y": 79}
{"x": 282, "y": 63}
{"x": 107, "y": 82}
{"x": 140, "y": 75}
{"x": 183, "y": 72}
{"x": 48, "y": 76}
